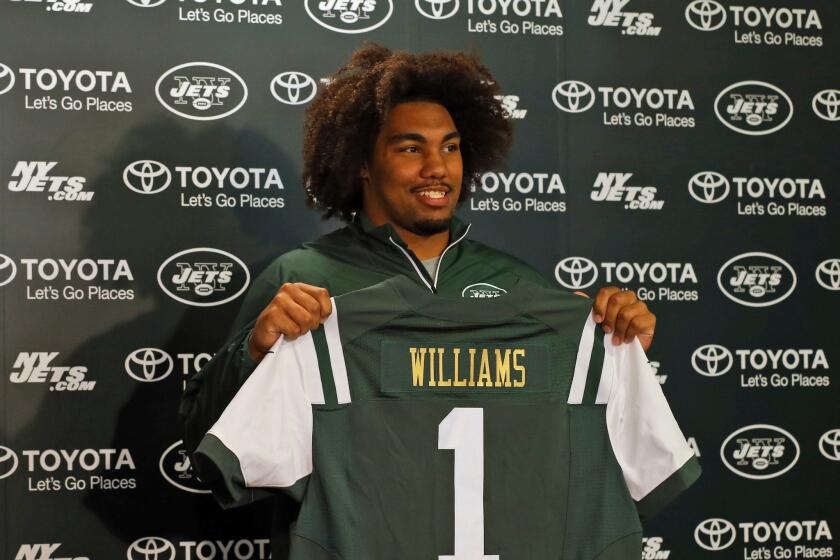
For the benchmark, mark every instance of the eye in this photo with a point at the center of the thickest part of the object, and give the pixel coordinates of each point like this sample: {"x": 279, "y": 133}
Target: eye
{"x": 452, "y": 148}
{"x": 410, "y": 149}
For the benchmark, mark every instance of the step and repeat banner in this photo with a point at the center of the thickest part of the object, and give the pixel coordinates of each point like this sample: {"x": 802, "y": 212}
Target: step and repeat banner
{"x": 686, "y": 150}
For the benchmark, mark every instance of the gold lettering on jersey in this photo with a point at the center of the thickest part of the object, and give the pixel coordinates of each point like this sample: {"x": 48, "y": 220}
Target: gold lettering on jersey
{"x": 488, "y": 367}
{"x": 458, "y": 382}
{"x": 503, "y": 368}
{"x": 418, "y": 366}
{"x": 519, "y": 352}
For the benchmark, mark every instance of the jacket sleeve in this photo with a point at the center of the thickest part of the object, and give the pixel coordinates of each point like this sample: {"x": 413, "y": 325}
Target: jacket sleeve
{"x": 209, "y": 390}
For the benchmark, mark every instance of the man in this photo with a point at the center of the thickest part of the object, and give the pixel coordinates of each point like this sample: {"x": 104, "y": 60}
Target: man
{"x": 391, "y": 146}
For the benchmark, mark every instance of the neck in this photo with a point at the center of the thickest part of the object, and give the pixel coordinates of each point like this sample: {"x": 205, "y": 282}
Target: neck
{"x": 424, "y": 247}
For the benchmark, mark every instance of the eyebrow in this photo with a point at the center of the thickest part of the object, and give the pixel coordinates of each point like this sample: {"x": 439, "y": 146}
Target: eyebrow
{"x": 415, "y": 137}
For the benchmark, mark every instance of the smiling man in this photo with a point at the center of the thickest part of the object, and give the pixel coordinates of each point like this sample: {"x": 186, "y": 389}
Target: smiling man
{"x": 391, "y": 146}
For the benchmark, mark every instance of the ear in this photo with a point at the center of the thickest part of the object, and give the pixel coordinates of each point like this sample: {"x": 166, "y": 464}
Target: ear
{"x": 363, "y": 171}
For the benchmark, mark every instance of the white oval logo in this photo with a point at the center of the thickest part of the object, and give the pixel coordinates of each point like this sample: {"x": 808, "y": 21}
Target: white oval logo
{"x": 437, "y": 9}
{"x": 828, "y": 274}
{"x": 712, "y": 360}
{"x": 8, "y": 269}
{"x": 151, "y": 548}
{"x": 705, "y": 15}
{"x": 203, "y": 277}
{"x": 826, "y": 105}
{"x": 149, "y": 365}
{"x": 576, "y": 273}
{"x": 201, "y": 91}
{"x": 482, "y": 290}
{"x": 7, "y": 78}
{"x": 708, "y": 187}
{"x": 147, "y": 176}
{"x": 357, "y": 16}
{"x": 753, "y": 108}
{"x": 714, "y": 534}
{"x": 573, "y": 96}
{"x": 146, "y": 3}
{"x": 176, "y": 467}
{"x": 829, "y": 445}
{"x": 756, "y": 279}
{"x": 760, "y": 451}
{"x": 8, "y": 462}
{"x": 293, "y": 88}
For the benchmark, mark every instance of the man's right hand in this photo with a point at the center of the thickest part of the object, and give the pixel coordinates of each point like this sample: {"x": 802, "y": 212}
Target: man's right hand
{"x": 296, "y": 309}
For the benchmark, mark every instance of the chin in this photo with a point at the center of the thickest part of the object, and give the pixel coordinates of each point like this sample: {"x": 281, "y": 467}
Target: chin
{"x": 430, "y": 226}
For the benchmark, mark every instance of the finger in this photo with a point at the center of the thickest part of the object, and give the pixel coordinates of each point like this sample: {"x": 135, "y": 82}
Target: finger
{"x": 321, "y": 295}
{"x": 642, "y": 327}
{"x": 270, "y": 326}
{"x": 599, "y": 308}
{"x": 614, "y": 304}
{"x": 625, "y": 315}
{"x": 305, "y": 318}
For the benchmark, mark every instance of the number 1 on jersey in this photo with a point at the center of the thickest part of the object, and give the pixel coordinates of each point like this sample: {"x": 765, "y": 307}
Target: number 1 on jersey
{"x": 463, "y": 431}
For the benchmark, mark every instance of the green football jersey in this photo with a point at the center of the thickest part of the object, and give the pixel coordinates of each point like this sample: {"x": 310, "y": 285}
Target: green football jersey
{"x": 414, "y": 426}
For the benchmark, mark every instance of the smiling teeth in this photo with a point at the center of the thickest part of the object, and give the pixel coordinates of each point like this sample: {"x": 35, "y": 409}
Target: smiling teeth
{"x": 432, "y": 194}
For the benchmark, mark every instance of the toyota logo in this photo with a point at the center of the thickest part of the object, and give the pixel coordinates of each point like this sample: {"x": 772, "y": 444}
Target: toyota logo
{"x": 151, "y": 548}
{"x": 708, "y": 187}
{"x": 437, "y": 9}
{"x": 573, "y": 96}
{"x": 293, "y": 88}
{"x": 8, "y": 269}
{"x": 8, "y": 462}
{"x": 830, "y": 444}
{"x": 705, "y": 15}
{"x": 7, "y": 78}
{"x": 146, "y": 3}
{"x": 715, "y": 534}
{"x": 576, "y": 273}
{"x": 828, "y": 274}
{"x": 712, "y": 360}
{"x": 147, "y": 176}
{"x": 826, "y": 104}
{"x": 149, "y": 364}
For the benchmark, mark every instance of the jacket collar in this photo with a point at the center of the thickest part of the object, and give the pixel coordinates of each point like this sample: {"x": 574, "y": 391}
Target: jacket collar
{"x": 386, "y": 232}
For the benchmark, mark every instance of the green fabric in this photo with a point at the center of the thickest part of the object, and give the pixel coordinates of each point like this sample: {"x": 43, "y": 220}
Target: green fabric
{"x": 383, "y": 486}
{"x": 221, "y": 472}
{"x": 353, "y": 257}
{"x": 664, "y": 494}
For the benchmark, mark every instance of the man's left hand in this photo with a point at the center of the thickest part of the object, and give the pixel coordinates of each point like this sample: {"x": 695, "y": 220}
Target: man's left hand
{"x": 623, "y": 314}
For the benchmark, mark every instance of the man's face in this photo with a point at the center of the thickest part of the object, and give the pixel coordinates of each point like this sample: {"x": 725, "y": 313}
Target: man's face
{"x": 413, "y": 177}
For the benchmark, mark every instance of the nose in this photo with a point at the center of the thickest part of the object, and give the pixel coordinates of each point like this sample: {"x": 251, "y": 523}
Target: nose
{"x": 434, "y": 165}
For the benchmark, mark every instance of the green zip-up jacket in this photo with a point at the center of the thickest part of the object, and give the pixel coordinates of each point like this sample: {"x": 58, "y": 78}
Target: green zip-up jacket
{"x": 351, "y": 258}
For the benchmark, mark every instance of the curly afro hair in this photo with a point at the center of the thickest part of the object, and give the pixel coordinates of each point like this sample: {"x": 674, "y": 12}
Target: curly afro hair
{"x": 343, "y": 121}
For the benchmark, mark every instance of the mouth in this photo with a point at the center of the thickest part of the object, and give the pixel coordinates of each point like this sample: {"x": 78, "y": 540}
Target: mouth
{"x": 436, "y": 196}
